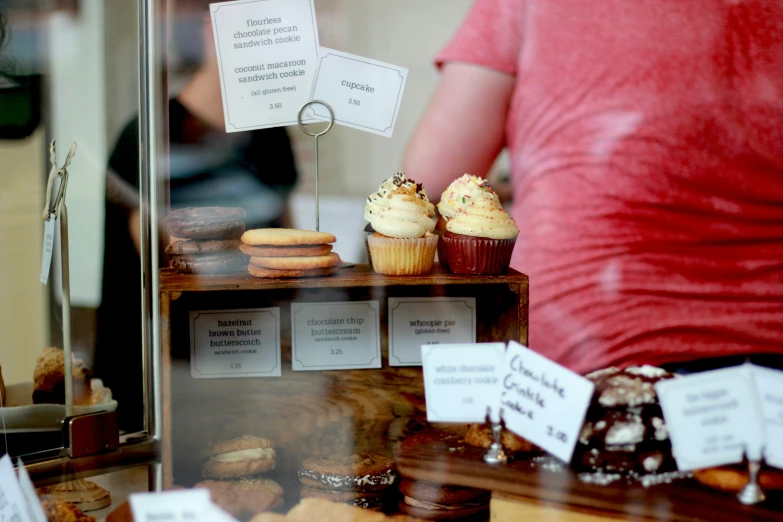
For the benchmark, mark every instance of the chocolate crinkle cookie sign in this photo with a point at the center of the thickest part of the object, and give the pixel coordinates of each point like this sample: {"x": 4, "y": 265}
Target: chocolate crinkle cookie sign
{"x": 624, "y": 431}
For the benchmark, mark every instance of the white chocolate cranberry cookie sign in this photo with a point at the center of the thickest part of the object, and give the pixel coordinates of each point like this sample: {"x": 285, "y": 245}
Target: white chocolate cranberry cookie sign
{"x": 267, "y": 52}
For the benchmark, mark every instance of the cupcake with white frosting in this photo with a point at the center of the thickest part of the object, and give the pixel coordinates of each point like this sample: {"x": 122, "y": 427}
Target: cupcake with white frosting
{"x": 401, "y": 241}
{"x": 480, "y": 238}
{"x": 463, "y": 192}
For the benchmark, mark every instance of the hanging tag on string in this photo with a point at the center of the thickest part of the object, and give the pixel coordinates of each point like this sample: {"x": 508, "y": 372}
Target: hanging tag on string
{"x": 48, "y": 247}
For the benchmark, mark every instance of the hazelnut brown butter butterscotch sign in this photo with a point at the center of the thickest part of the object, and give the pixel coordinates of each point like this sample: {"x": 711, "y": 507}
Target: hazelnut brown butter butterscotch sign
{"x": 235, "y": 343}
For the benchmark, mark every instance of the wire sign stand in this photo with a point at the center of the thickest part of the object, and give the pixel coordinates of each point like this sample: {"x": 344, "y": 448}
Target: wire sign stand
{"x": 316, "y": 135}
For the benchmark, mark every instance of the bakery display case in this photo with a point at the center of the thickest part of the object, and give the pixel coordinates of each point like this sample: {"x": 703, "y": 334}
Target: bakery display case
{"x": 256, "y": 326}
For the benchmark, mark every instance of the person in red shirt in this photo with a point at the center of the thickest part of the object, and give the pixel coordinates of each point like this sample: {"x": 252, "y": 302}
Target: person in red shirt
{"x": 646, "y": 143}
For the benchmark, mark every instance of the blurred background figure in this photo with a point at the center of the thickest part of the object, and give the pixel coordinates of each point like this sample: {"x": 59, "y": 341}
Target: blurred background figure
{"x": 208, "y": 167}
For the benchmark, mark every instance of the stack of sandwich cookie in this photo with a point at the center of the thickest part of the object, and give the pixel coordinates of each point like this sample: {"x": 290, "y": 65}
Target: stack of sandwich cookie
{"x": 84, "y": 494}
{"x": 430, "y": 501}
{"x": 285, "y": 253}
{"x": 245, "y": 498}
{"x": 360, "y": 480}
{"x": 206, "y": 240}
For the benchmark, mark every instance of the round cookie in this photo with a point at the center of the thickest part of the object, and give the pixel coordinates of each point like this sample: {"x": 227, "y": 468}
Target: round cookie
{"x": 362, "y": 471}
{"x": 286, "y": 237}
{"x": 444, "y": 495}
{"x": 296, "y": 263}
{"x": 216, "y": 263}
{"x": 285, "y": 251}
{"x": 207, "y": 230}
{"x": 206, "y": 214}
{"x": 237, "y": 458}
{"x": 470, "y": 512}
{"x": 188, "y": 246}
{"x": 481, "y": 435}
{"x": 245, "y": 498}
{"x": 732, "y": 479}
{"x": 269, "y": 273}
{"x": 362, "y": 499}
{"x": 631, "y": 387}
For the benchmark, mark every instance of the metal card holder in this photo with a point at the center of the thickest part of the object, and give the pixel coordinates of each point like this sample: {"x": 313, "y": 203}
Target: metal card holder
{"x": 94, "y": 432}
{"x": 316, "y": 135}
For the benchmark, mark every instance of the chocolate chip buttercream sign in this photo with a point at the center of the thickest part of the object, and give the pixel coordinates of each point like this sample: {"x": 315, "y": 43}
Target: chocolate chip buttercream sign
{"x": 542, "y": 401}
{"x": 267, "y": 53}
{"x": 335, "y": 336}
{"x": 235, "y": 343}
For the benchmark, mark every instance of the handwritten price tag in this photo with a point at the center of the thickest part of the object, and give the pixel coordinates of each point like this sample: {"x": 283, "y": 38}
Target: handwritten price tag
{"x": 542, "y": 401}
{"x": 18, "y": 500}
{"x": 48, "y": 247}
{"x": 185, "y": 506}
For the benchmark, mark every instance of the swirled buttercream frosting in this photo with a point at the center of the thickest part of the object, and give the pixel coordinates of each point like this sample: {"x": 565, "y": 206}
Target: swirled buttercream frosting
{"x": 483, "y": 218}
{"x": 376, "y": 201}
{"x": 463, "y": 192}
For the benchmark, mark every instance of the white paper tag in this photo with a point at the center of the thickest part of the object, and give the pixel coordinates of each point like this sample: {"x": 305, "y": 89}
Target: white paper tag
{"x": 712, "y": 417}
{"x": 542, "y": 401}
{"x": 174, "y": 506}
{"x": 48, "y": 247}
{"x": 235, "y": 343}
{"x": 364, "y": 94}
{"x": 335, "y": 336}
{"x": 462, "y": 380}
{"x": 769, "y": 387}
{"x": 416, "y": 321}
{"x": 34, "y": 509}
{"x": 13, "y": 505}
{"x": 267, "y": 54}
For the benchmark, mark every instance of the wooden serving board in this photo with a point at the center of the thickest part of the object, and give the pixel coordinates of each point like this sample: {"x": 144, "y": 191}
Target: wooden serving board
{"x": 450, "y": 461}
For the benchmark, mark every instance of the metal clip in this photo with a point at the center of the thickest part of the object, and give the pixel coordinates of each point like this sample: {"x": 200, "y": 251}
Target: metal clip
{"x": 752, "y": 493}
{"x": 316, "y": 135}
{"x": 62, "y": 173}
{"x": 495, "y": 454}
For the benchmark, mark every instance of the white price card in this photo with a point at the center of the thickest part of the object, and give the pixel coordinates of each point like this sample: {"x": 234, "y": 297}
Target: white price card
{"x": 769, "y": 388}
{"x": 34, "y": 509}
{"x": 180, "y": 506}
{"x": 462, "y": 380}
{"x": 335, "y": 336}
{"x": 48, "y": 246}
{"x": 267, "y": 53}
{"x": 364, "y": 94}
{"x": 416, "y": 321}
{"x": 15, "y": 505}
{"x": 713, "y": 417}
{"x": 235, "y": 343}
{"x": 542, "y": 401}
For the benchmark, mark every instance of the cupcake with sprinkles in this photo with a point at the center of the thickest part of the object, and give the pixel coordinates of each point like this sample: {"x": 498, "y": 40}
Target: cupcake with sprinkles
{"x": 399, "y": 237}
{"x": 462, "y": 192}
{"x": 479, "y": 238}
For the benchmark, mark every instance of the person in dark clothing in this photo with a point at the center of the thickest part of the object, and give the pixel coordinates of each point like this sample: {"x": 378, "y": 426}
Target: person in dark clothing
{"x": 207, "y": 167}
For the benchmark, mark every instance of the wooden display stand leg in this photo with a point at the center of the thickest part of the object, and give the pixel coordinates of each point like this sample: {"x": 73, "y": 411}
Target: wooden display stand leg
{"x": 510, "y": 508}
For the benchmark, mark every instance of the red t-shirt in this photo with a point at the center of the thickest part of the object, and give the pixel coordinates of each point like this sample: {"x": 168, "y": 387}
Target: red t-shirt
{"x": 646, "y": 141}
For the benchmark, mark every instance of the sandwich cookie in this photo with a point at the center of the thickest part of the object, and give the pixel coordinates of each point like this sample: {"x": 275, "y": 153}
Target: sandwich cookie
{"x": 237, "y": 458}
{"x": 286, "y": 237}
{"x": 245, "y": 498}
{"x": 357, "y": 472}
{"x": 430, "y": 501}
{"x": 296, "y": 263}
{"x": 189, "y": 246}
{"x": 363, "y": 499}
{"x": 214, "y": 263}
{"x": 84, "y": 494}
{"x": 206, "y": 223}
{"x": 285, "y": 251}
{"x": 269, "y": 273}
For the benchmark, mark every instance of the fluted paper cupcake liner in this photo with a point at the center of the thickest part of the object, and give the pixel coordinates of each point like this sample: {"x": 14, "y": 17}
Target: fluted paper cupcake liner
{"x": 470, "y": 255}
{"x": 398, "y": 256}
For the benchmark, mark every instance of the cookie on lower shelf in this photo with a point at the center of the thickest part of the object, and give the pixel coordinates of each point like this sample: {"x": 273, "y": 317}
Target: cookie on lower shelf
{"x": 429, "y": 501}
{"x": 84, "y": 494}
{"x": 245, "y": 498}
{"x": 238, "y": 458}
{"x": 360, "y": 479}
